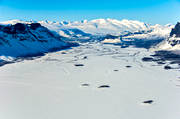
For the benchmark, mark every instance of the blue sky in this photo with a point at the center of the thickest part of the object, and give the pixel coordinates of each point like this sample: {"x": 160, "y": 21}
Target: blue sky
{"x": 149, "y": 11}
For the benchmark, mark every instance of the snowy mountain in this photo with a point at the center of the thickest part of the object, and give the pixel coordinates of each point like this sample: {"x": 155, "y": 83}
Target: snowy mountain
{"x": 24, "y": 39}
{"x": 59, "y": 27}
{"x": 101, "y": 27}
{"x": 129, "y": 28}
{"x": 105, "y": 30}
{"x": 108, "y": 26}
{"x": 66, "y": 31}
{"x": 156, "y": 32}
{"x": 172, "y": 43}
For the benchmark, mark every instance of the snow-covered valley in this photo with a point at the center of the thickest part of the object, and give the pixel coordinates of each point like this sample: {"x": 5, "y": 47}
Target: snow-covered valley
{"x": 55, "y": 87}
{"x": 119, "y": 69}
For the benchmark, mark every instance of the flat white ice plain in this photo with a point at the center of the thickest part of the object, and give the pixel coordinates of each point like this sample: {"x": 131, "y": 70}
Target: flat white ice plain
{"x": 51, "y": 87}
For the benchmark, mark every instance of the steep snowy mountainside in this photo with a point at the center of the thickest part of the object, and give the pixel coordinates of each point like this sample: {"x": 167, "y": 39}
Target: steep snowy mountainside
{"x": 60, "y": 27}
{"x": 156, "y": 32}
{"x": 173, "y": 41}
{"x": 24, "y": 39}
{"x": 66, "y": 31}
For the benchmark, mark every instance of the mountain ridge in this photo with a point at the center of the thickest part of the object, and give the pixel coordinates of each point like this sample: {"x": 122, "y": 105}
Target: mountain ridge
{"x": 97, "y": 26}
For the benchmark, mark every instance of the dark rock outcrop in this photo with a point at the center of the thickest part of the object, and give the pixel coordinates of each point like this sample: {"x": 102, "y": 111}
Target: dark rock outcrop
{"x": 34, "y": 26}
{"x": 19, "y": 27}
{"x": 176, "y": 31}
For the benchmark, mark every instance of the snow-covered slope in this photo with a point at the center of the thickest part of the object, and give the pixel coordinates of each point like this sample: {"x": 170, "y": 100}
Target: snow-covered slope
{"x": 156, "y": 32}
{"x": 28, "y": 39}
{"x": 172, "y": 43}
{"x": 63, "y": 29}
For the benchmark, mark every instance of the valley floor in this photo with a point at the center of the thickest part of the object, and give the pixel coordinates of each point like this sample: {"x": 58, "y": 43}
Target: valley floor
{"x": 66, "y": 85}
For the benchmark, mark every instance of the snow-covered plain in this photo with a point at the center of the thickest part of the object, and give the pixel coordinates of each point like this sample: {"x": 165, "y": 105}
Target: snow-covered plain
{"x": 51, "y": 87}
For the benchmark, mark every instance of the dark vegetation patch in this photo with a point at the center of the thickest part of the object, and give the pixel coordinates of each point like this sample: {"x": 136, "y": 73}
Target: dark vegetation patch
{"x": 148, "y": 102}
{"x": 104, "y": 86}
{"x": 124, "y": 46}
{"x": 166, "y": 55}
{"x": 128, "y": 66}
{"x": 161, "y": 57}
{"x": 79, "y": 65}
{"x": 63, "y": 53}
{"x": 147, "y": 59}
{"x": 167, "y": 67}
{"x": 85, "y": 57}
{"x": 159, "y": 62}
{"x": 85, "y": 85}
{"x": 139, "y": 43}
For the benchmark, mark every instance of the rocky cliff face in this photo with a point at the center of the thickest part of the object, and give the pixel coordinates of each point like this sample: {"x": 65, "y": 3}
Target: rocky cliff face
{"x": 174, "y": 39}
{"x": 176, "y": 31}
{"x": 23, "y": 39}
{"x": 172, "y": 43}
